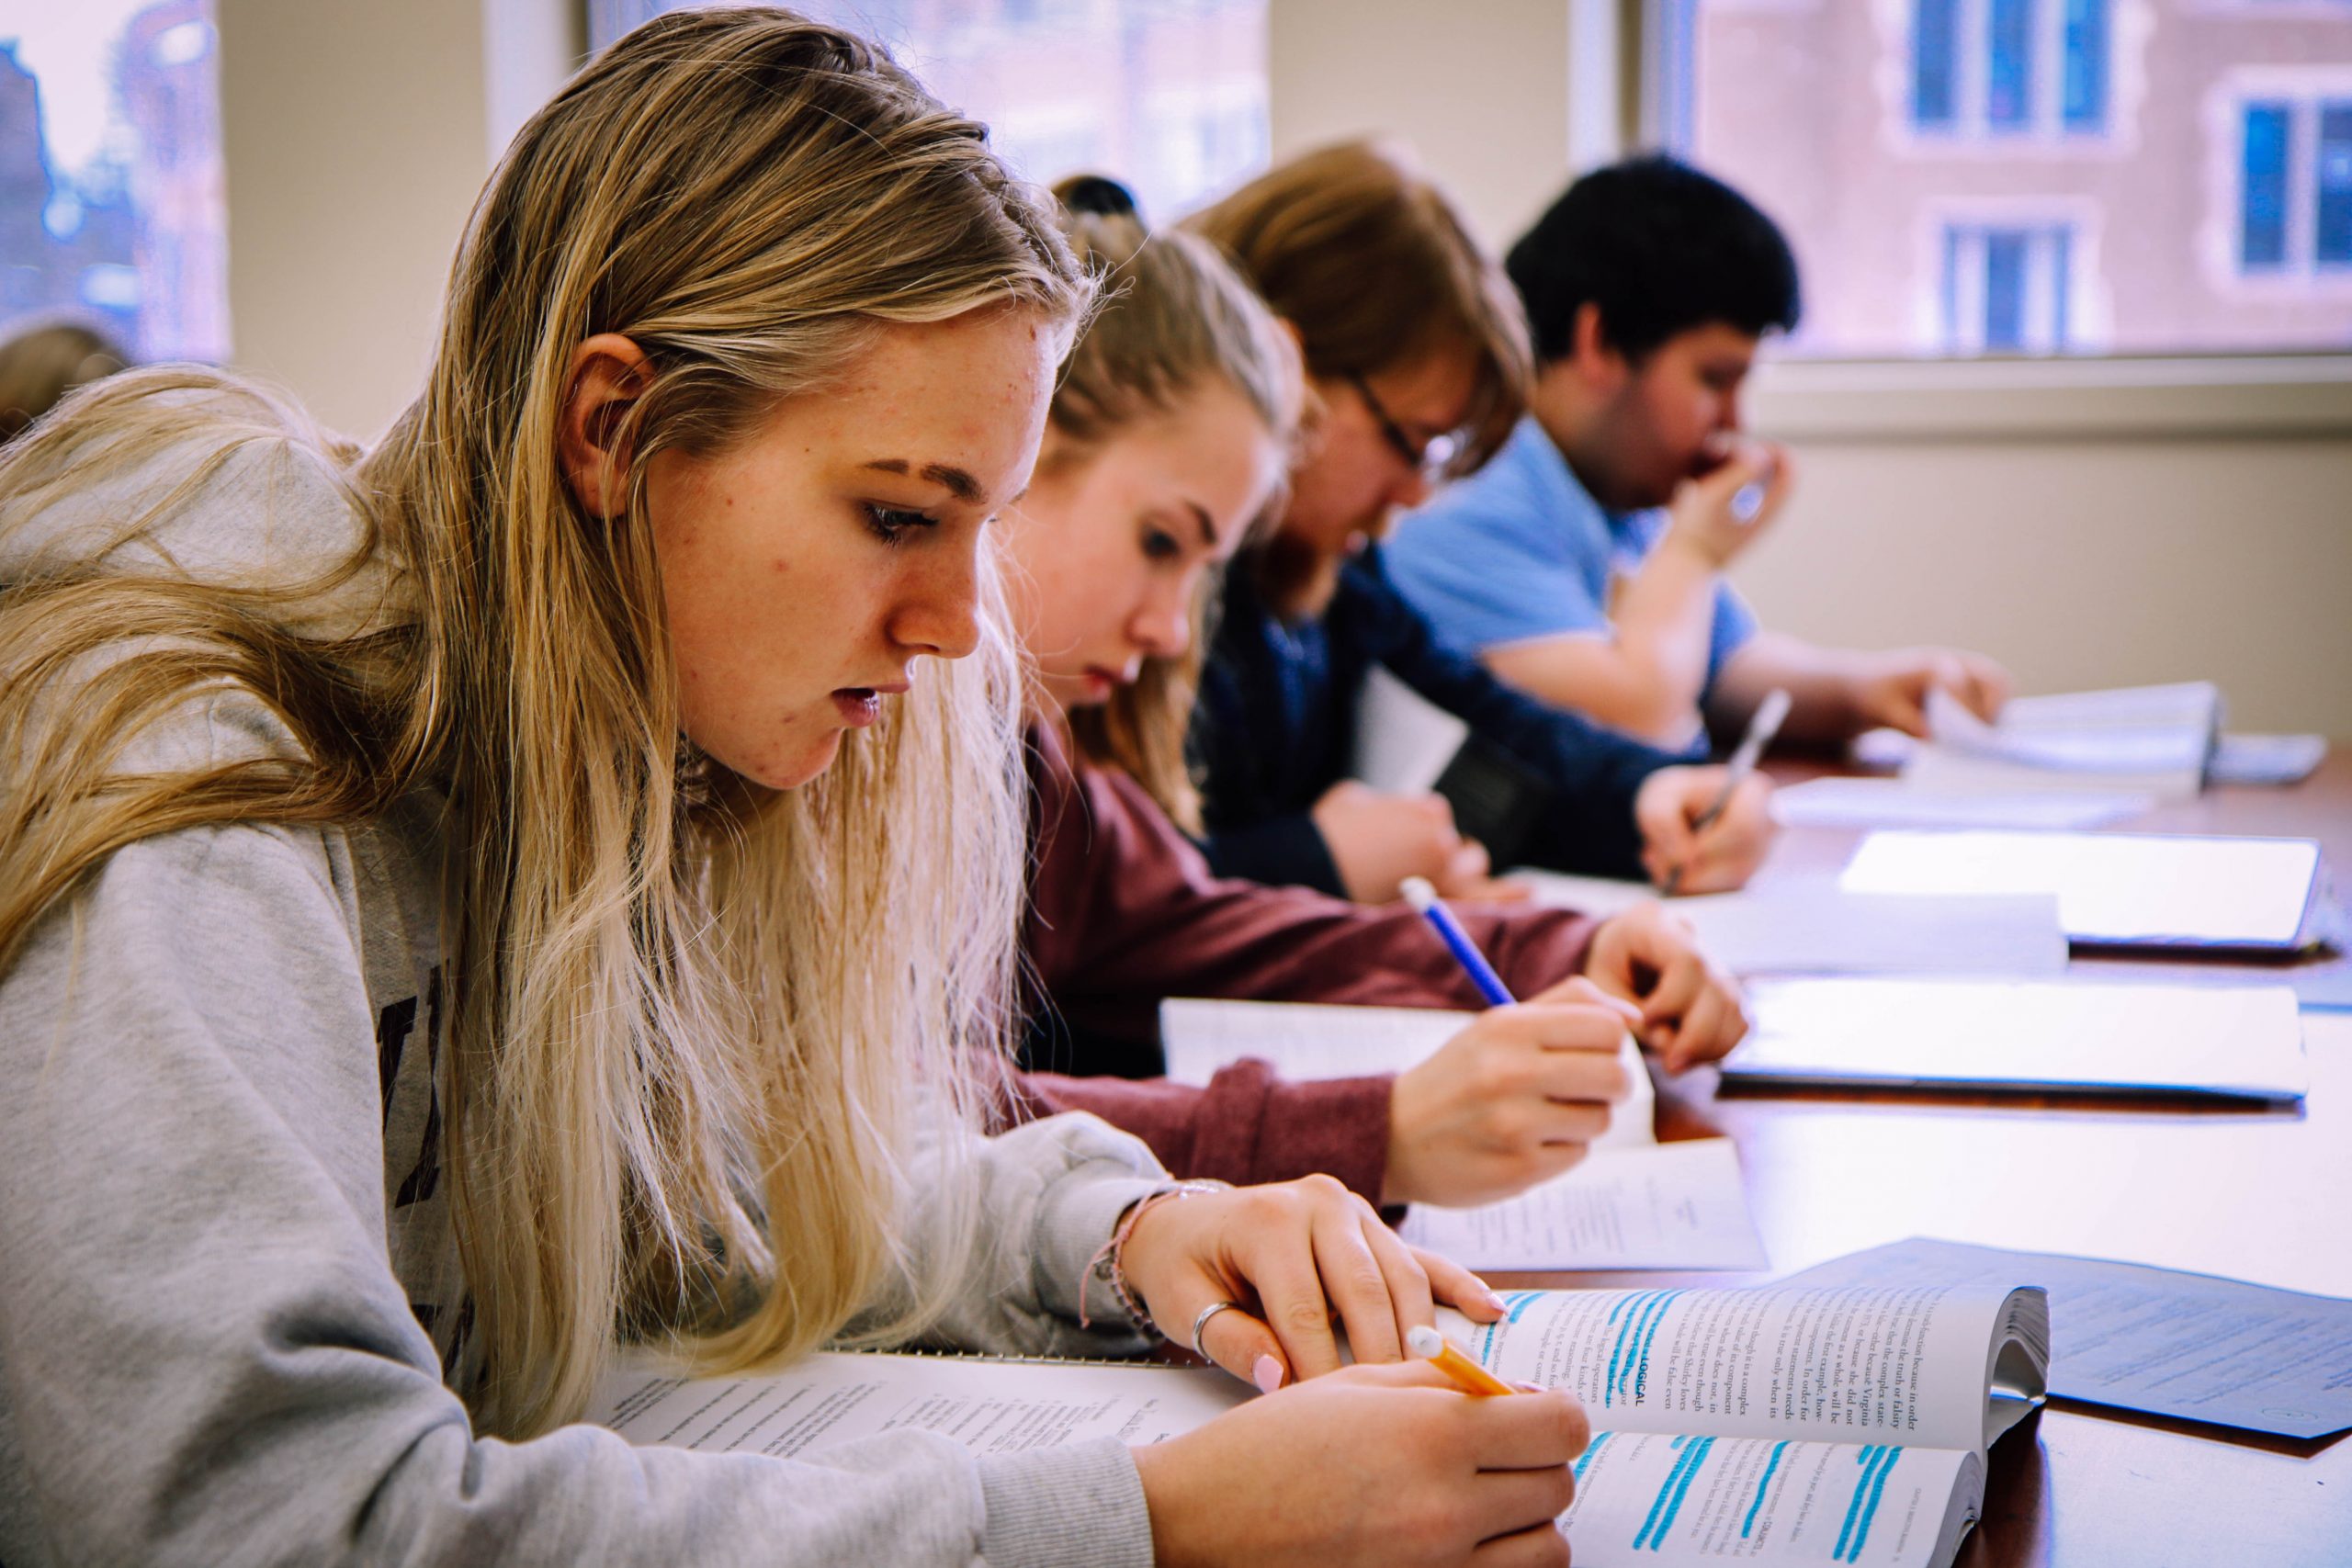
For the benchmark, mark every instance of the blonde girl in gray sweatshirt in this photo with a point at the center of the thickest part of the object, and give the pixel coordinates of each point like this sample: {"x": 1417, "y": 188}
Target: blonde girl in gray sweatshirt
{"x": 549, "y": 880}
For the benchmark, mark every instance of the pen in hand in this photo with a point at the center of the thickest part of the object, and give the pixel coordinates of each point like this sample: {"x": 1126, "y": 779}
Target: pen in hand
{"x": 1769, "y": 715}
{"x": 1423, "y": 896}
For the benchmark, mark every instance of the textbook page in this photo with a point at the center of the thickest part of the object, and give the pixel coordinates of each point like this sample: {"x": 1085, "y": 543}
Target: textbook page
{"x": 1678, "y": 1205}
{"x": 1308, "y": 1041}
{"x": 2112, "y": 888}
{"x": 1643, "y": 1497}
{"x": 988, "y": 1404}
{"x": 1810, "y": 925}
{"x": 2039, "y": 1035}
{"x": 2193, "y": 1347}
{"x": 1935, "y": 1364}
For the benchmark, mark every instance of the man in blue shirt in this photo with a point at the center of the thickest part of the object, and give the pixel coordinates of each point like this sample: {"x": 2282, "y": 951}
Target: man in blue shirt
{"x": 1584, "y": 564}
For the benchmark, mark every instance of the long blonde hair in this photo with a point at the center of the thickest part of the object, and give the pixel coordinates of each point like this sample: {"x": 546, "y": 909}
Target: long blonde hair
{"x": 1175, "y": 317}
{"x": 702, "y": 1035}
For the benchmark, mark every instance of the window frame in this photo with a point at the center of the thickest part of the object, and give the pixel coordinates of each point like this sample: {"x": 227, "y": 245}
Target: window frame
{"x": 2288, "y": 394}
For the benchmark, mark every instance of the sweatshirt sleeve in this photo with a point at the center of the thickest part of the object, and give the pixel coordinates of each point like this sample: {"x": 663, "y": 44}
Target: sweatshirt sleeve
{"x": 208, "y": 1357}
{"x": 1247, "y": 1125}
{"x": 1125, "y": 912}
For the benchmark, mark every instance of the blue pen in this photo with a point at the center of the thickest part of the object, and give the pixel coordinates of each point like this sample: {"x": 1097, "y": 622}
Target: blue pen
{"x": 1422, "y": 896}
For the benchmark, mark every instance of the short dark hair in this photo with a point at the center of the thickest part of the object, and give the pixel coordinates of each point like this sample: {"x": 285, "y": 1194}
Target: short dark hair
{"x": 1661, "y": 248}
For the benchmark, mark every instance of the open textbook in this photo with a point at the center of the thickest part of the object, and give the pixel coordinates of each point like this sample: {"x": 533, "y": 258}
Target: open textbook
{"x": 1632, "y": 1204}
{"x": 1777, "y": 1426}
{"x": 2195, "y": 1346}
{"x": 2152, "y": 741}
{"x": 1770, "y": 1427}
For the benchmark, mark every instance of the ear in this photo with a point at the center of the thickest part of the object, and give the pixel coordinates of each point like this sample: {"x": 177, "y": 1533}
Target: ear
{"x": 1601, "y": 366}
{"x": 608, "y": 374}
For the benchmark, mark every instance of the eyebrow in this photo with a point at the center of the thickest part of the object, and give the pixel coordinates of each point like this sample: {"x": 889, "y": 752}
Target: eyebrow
{"x": 955, "y": 482}
{"x": 1208, "y": 529}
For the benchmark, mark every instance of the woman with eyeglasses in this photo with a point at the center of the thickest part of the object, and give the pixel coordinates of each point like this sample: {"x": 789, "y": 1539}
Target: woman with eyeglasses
{"x": 1417, "y": 355}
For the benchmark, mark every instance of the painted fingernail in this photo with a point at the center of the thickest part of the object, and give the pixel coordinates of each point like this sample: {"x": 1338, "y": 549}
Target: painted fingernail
{"x": 1267, "y": 1373}
{"x": 1495, "y": 1302}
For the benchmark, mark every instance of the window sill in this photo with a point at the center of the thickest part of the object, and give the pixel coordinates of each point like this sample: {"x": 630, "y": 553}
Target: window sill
{"x": 2253, "y": 396}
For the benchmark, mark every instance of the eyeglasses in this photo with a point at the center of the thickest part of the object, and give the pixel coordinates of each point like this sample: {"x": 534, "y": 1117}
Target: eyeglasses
{"x": 1432, "y": 459}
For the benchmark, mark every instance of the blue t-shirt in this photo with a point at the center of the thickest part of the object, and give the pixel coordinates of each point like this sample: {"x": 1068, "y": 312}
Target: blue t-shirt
{"x": 1521, "y": 550}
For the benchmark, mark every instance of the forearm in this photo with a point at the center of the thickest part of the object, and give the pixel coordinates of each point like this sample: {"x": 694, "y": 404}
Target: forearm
{"x": 1662, "y": 619}
{"x": 1248, "y": 1125}
{"x": 1824, "y": 687}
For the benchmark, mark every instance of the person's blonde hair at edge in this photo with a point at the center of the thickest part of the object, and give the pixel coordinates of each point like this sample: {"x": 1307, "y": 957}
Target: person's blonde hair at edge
{"x": 1173, "y": 317}
{"x": 703, "y": 1035}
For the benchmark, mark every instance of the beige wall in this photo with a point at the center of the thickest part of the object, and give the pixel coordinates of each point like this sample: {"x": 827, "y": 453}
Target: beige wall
{"x": 1479, "y": 89}
{"x": 2085, "y": 563}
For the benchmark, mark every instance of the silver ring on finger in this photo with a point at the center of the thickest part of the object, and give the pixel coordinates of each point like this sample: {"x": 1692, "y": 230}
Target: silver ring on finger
{"x": 1199, "y": 1325}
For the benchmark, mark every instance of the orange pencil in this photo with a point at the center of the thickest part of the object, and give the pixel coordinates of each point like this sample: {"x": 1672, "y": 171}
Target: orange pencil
{"x": 1431, "y": 1345}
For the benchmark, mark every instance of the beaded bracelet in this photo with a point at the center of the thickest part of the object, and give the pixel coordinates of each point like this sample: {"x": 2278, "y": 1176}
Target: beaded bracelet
{"x": 1108, "y": 1264}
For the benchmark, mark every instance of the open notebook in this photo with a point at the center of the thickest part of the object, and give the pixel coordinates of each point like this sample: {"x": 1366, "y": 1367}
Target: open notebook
{"x": 2152, "y": 741}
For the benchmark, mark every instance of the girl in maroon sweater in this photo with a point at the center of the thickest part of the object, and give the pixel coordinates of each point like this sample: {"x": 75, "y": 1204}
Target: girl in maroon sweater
{"x": 1170, "y": 435}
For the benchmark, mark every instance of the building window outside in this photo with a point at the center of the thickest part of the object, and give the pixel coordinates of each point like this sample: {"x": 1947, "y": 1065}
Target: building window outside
{"x": 111, "y": 197}
{"x": 1924, "y": 156}
{"x": 1166, "y": 95}
{"x": 2008, "y": 288}
{"x": 2008, "y": 67}
{"x": 2295, "y": 185}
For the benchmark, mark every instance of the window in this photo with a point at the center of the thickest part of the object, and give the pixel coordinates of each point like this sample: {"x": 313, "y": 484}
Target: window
{"x": 2007, "y": 289}
{"x": 111, "y": 207}
{"x": 1167, "y": 96}
{"x": 1960, "y": 177}
{"x": 2008, "y": 67}
{"x": 2295, "y": 185}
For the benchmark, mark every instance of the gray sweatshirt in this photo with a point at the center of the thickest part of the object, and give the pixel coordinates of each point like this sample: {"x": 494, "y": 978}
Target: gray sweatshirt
{"x": 229, "y": 1287}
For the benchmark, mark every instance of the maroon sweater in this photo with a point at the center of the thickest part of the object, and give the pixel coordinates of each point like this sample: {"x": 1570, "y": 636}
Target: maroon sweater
{"x": 1123, "y": 912}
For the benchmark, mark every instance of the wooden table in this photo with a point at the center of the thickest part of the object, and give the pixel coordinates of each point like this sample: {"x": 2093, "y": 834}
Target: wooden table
{"x": 2259, "y": 1194}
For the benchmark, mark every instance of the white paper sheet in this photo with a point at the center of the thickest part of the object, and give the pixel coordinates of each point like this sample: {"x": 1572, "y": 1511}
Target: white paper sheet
{"x": 1810, "y": 926}
{"x": 1308, "y": 1041}
{"x": 2190, "y": 1345}
{"x": 2112, "y": 888}
{"x": 1897, "y": 803}
{"x": 1679, "y": 1205}
{"x": 990, "y": 1406}
{"x": 2025, "y": 1035}
{"x": 1403, "y": 740}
